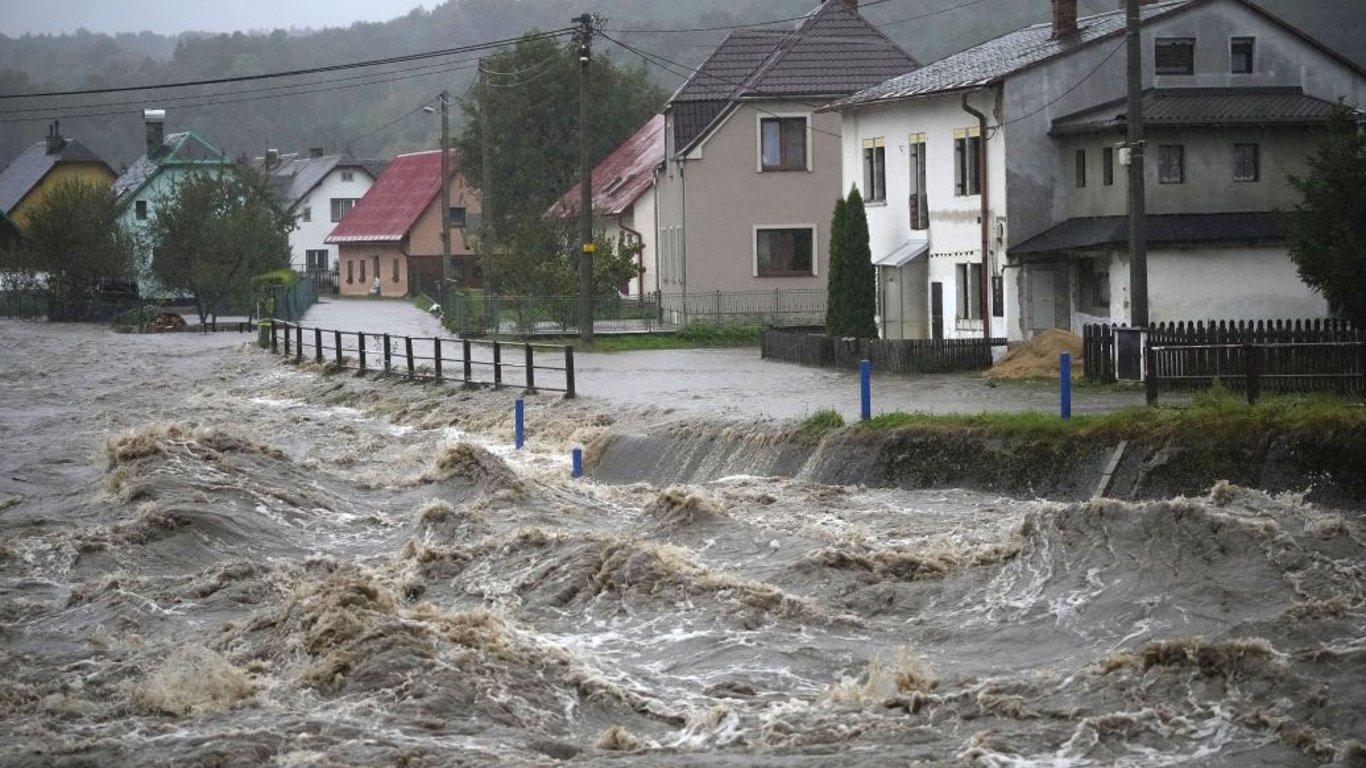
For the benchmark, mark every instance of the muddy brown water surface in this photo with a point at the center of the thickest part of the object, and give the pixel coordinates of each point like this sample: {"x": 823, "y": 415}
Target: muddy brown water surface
{"x": 211, "y": 558}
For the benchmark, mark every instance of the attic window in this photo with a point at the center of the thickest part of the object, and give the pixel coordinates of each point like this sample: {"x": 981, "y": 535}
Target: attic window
{"x": 1240, "y": 55}
{"x": 613, "y": 185}
{"x": 782, "y": 144}
{"x": 1174, "y": 56}
{"x": 348, "y": 176}
{"x": 140, "y": 210}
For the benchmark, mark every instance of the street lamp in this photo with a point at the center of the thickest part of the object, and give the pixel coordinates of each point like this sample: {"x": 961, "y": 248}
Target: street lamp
{"x": 443, "y": 102}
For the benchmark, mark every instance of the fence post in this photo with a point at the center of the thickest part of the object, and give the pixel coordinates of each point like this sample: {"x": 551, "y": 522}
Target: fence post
{"x": 519, "y": 429}
{"x": 274, "y": 340}
{"x": 578, "y": 463}
{"x": 469, "y": 365}
{"x": 865, "y": 390}
{"x": 288, "y": 345}
{"x": 530, "y": 370}
{"x": 360, "y": 349}
{"x": 1065, "y": 384}
{"x": 497, "y": 365}
{"x": 569, "y": 372}
{"x": 388, "y": 356}
{"x": 1253, "y": 367}
{"x": 336, "y": 340}
{"x": 318, "y": 346}
{"x": 436, "y": 355}
{"x": 408, "y": 352}
{"x": 298, "y": 343}
{"x": 1150, "y": 375}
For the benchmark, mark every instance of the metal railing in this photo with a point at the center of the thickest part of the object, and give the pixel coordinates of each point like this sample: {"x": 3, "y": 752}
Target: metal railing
{"x": 470, "y": 361}
{"x": 791, "y": 307}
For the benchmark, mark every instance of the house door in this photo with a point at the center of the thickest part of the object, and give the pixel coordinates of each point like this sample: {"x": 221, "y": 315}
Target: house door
{"x": 937, "y": 311}
{"x": 1041, "y": 300}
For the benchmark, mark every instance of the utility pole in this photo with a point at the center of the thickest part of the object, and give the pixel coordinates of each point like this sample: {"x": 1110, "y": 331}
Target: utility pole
{"x": 1138, "y": 238}
{"x": 485, "y": 146}
{"x": 445, "y": 188}
{"x": 585, "y": 36}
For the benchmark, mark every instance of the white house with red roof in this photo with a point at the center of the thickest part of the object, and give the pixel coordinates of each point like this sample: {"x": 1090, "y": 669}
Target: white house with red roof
{"x": 624, "y": 200}
{"x": 390, "y": 242}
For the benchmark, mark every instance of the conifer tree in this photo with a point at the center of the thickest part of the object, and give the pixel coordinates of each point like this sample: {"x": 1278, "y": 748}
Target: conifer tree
{"x": 834, "y": 291}
{"x": 860, "y": 279}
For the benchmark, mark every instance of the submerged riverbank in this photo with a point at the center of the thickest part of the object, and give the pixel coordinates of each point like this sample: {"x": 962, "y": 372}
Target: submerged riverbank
{"x": 213, "y": 558}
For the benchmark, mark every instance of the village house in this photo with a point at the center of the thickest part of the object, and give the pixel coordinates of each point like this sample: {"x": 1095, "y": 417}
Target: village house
{"x": 752, "y": 170}
{"x": 170, "y": 160}
{"x": 44, "y": 166}
{"x": 392, "y": 237}
{"x": 1232, "y": 95}
{"x": 624, "y": 200}
{"x": 319, "y": 190}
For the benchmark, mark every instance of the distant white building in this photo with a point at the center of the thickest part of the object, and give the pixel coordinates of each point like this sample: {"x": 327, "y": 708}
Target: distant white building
{"x": 319, "y": 190}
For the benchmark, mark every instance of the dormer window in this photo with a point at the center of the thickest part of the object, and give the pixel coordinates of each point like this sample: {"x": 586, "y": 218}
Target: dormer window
{"x": 348, "y": 176}
{"x": 1174, "y": 56}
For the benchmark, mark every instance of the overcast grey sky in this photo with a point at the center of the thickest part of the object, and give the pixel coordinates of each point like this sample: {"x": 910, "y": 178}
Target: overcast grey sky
{"x": 171, "y": 16}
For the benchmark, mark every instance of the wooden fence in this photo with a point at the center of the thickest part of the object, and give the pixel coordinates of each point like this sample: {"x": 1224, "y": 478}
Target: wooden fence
{"x": 1334, "y": 366}
{"x": 1098, "y": 343}
{"x": 471, "y": 361}
{"x": 885, "y": 355}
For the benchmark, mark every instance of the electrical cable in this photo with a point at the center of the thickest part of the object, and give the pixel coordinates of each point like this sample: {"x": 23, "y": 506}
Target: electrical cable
{"x": 297, "y": 72}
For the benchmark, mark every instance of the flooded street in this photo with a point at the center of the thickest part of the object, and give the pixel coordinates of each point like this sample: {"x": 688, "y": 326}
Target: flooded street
{"x": 209, "y": 557}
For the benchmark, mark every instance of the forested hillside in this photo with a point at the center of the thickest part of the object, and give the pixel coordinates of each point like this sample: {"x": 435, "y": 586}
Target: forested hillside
{"x": 377, "y": 112}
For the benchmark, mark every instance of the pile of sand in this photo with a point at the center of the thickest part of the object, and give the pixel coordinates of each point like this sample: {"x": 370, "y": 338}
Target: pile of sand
{"x": 1038, "y": 358}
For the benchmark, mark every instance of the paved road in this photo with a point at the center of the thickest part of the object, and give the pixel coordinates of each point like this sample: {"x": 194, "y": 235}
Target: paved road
{"x": 736, "y": 383}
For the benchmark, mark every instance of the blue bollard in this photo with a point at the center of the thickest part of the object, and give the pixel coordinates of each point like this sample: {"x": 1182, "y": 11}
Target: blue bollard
{"x": 1065, "y": 384}
{"x": 521, "y": 427}
{"x": 865, "y": 370}
{"x": 578, "y": 463}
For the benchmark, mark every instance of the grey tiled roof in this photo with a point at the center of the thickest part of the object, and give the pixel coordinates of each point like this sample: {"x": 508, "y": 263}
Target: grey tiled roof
{"x": 293, "y": 177}
{"x": 182, "y": 148}
{"x": 1095, "y": 232}
{"x": 996, "y": 59}
{"x": 830, "y": 52}
{"x": 22, "y": 175}
{"x": 1203, "y": 107}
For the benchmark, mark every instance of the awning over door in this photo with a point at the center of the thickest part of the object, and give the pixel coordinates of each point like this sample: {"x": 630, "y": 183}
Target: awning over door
{"x": 903, "y": 254}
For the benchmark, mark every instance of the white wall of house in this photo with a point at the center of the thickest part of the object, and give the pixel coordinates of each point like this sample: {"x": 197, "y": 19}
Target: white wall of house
{"x": 954, "y": 232}
{"x": 313, "y": 215}
{"x": 1242, "y": 283}
{"x": 640, "y": 217}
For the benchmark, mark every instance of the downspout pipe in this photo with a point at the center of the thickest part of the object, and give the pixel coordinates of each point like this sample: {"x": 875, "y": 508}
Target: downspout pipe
{"x": 983, "y": 289}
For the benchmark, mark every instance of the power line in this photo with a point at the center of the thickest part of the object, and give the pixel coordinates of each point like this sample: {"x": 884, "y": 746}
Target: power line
{"x": 1074, "y": 87}
{"x": 305, "y": 90}
{"x": 657, "y": 59}
{"x": 297, "y": 72}
{"x": 414, "y": 71}
{"x": 728, "y": 27}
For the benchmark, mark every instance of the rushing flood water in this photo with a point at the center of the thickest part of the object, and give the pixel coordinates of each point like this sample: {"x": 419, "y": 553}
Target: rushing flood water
{"x": 212, "y": 558}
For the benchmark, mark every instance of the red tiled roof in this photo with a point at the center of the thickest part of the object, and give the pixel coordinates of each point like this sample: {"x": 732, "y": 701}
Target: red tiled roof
{"x": 395, "y": 201}
{"x": 623, "y": 176}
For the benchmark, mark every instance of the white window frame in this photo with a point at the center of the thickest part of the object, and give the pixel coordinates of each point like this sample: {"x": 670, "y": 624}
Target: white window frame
{"x": 815, "y": 250}
{"x": 759, "y": 119}
{"x": 874, "y": 173}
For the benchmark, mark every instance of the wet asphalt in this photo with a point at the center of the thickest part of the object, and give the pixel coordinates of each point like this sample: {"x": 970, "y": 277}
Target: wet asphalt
{"x": 734, "y": 383}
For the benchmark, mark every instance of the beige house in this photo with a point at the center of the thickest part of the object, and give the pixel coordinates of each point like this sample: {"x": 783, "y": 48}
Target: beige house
{"x": 391, "y": 239}
{"x": 751, "y": 169}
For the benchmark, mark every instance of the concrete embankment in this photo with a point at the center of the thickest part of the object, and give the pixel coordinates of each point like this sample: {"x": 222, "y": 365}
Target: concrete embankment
{"x": 1329, "y": 465}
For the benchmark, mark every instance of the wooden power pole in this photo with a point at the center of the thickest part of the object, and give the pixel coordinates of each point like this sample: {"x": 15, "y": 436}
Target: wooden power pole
{"x": 587, "y": 248}
{"x": 1138, "y": 239}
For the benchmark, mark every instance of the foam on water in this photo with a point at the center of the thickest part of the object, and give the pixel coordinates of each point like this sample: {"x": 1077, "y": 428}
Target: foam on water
{"x": 281, "y": 566}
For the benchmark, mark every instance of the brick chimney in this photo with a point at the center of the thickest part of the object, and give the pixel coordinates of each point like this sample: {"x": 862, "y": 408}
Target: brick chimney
{"x": 1064, "y": 18}
{"x": 315, "y": 152}
{"x": 853, "y": 5}
{"x": 55, "y": 142}
{"x": 155, "y": 120}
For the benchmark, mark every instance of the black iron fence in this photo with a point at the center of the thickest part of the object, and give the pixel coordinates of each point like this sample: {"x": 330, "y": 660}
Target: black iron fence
{"x": 534, "y": 367}
{"x": 778, "y": 307}
{"x": 886, "y": 355}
